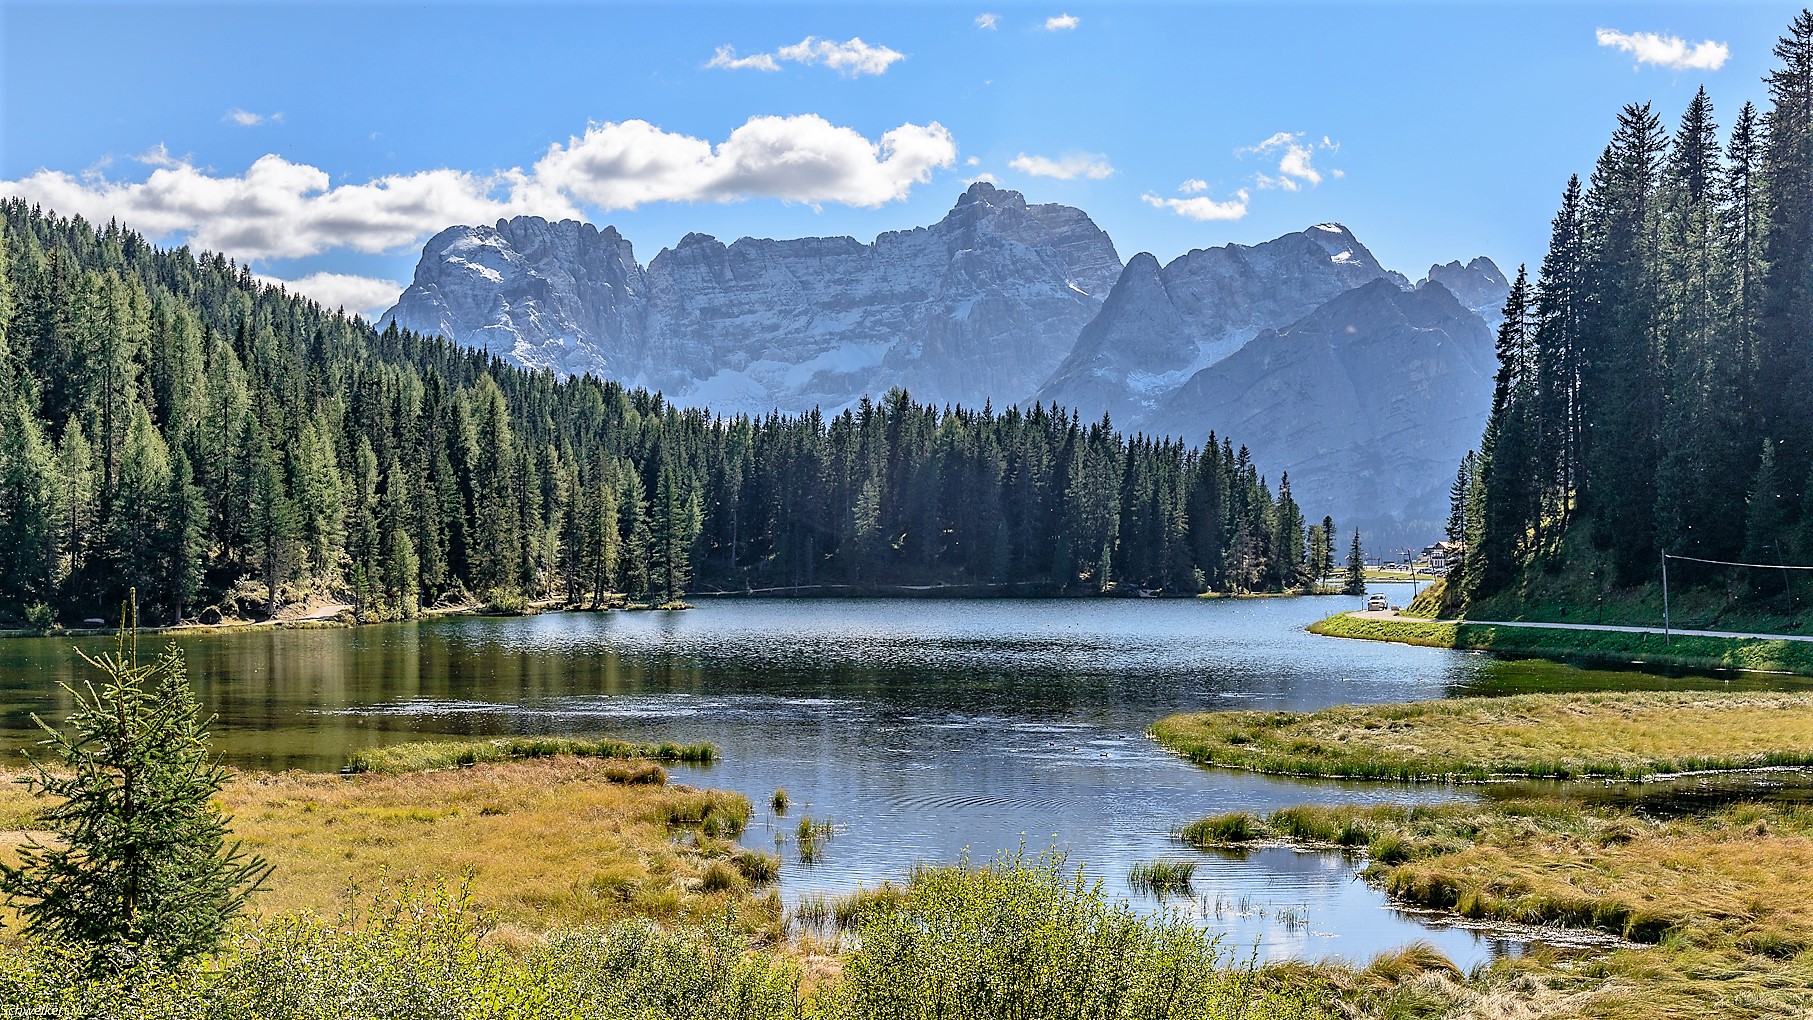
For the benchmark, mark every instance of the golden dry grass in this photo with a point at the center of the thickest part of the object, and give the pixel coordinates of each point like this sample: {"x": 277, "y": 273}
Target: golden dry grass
{"x": 548, "y": 842}
{"x": 1614, "y": 735}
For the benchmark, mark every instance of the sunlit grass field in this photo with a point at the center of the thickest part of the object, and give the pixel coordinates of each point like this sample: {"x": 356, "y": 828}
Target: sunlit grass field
{"x": 1620, "y": 735}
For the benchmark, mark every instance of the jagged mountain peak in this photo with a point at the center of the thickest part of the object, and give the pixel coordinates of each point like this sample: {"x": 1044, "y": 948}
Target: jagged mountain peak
{"x": 1365, "y": 400}
{"x": 1479, "y": 284}
{"x": 985, "y": 193}
{"x": 1160, "y": 326}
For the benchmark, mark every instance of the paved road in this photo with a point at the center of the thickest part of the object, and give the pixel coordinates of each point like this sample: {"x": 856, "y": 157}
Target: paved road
{"x": 1388, "y": 614}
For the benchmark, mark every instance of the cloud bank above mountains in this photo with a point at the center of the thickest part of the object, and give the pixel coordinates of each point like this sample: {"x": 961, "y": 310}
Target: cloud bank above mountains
{"x": 279, "y": 208}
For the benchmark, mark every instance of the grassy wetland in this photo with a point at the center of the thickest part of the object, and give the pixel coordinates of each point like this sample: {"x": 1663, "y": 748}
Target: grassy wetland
{"x": 542, "y": 843}
{"x": 1706, "y": 909}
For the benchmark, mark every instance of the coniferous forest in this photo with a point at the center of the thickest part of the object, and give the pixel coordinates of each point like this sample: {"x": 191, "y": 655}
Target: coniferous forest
{"x": 175, "y": 426}
{"x": 1655, "y": 389}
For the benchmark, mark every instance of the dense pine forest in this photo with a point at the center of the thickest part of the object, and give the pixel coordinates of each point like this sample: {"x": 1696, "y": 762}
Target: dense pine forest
{"x": 1655, "y": 390}
{"x": 174, "y": 425}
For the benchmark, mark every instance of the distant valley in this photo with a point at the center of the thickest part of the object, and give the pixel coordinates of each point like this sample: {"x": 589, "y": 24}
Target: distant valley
{"x": 1364, "y": 387}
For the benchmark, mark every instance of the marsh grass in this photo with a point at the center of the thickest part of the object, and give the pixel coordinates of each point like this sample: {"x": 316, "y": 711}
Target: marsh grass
{"x": 780, "y": 801}
{"x": 1618, "y": 735}
{"x": 441, "y": 754}
{"x": 1162, "y": 878}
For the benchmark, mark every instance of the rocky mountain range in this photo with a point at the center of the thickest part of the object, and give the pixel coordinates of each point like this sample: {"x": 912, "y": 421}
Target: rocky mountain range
{"x": 983, "y": 304}
{"x": 1365, "y": 388}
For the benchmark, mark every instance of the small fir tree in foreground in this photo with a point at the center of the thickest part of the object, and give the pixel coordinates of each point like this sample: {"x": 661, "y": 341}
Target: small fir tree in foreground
{"x": 137, "y": 863}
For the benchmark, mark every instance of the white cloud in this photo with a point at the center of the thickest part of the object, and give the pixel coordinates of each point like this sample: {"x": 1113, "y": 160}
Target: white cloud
{"x": 1193, "y": 185}
{"x": 796, "y": 159}
{"x": 281, "y": 209}
{"x": 850, "y": 59}
{"x": 1062, "y": 23}
{"x": 246, "y": 118}
{"x": 157, "y": 155}
{"x": 276, "y": 208}
{"x": 1670, "y": 51}
{"x": 1296, "y": 160}
{"x": 988, "y": 21}
{"x": 1201, "y": 208}
{"x": 369, "y": 296}
{"x": 1093, "y": 166}
{"x": 727, "y": 59}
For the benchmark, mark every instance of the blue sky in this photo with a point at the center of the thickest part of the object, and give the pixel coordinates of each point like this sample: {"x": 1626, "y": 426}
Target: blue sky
{"x": 322, "y": 143}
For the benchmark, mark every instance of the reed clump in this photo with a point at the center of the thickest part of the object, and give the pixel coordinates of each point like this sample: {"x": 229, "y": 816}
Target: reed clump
{"x": 759, "y": 868}
{"x": 1162, "y": 878}
{"x": 1229, "y": 829}
{"x": 810, "y": 836}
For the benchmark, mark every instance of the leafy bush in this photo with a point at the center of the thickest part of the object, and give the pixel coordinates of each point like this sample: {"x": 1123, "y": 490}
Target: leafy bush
{"x": 39, "y": 616}
{"x": 1028, "y": 938}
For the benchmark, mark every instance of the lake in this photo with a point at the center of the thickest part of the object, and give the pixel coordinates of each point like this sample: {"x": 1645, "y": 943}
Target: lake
{"x": 924, "y": 729}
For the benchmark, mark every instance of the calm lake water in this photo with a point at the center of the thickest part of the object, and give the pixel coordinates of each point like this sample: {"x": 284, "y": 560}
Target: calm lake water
{"x": 924, "y": 729}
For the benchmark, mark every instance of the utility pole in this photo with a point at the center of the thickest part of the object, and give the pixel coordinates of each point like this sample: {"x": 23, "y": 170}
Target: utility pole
{"x": 1666, "y": 639}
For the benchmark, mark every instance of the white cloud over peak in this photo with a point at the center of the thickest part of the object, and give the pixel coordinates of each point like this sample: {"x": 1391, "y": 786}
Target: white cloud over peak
{"x": 1296, "y": 160}
{"x": 369, "y": 296}
{"x": 851, "y": 59}
{"x": 1200, "y": 208}
{"x": 246, "y": 118}
{"x": 1094, "y": 166}
{"x": 1670, "y": 51}
{"x": 796, "y": 159}
{"x": 988, "y": 21}
{"x": 283, "y": 209}
{"x": 1062, "y": 23}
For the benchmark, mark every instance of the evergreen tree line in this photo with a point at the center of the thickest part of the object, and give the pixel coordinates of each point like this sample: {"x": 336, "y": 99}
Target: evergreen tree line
{"x": 173, "y": 425}
{"x": 1655, "y": 382}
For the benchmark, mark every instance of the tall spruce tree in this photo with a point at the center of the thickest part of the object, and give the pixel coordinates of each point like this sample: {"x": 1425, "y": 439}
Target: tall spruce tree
{"x": 1356, "y": 567}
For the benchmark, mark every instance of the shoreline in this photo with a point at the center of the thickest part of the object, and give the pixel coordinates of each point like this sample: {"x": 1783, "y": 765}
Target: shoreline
{"x": 1600, "y": 647}
{"x": 954, "y": 592}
